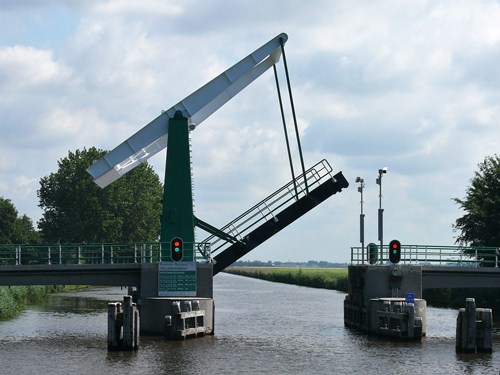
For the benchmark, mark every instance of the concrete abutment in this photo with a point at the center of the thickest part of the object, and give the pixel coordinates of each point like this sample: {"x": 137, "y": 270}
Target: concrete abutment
{"x": 386, "y": 300}
{"x": 185, "y": 309}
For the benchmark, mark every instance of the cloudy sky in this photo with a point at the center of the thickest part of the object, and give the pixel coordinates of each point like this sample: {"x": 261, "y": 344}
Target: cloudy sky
{"x": 414, "y": 86}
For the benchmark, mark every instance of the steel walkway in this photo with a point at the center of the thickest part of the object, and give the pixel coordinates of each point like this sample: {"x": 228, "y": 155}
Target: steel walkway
{"x": 273, "y": 214}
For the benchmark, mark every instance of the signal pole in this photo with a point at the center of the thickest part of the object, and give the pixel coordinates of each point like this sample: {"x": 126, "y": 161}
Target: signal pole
{"x": 362, "y": 220}
{"x": 381, "y": 213}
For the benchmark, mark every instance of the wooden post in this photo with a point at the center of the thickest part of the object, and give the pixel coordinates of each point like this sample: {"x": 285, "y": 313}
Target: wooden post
{"x": 474, "y": 329}
{"x": 470, "y": 326}
{"x": 410, "y": 309}
{"x": 114, "y": 329}
{"x": 484, "y": 339}
{"x": 128, "y": 322}
{"x": 123, "y": 325}
{"x": 466, "y": 328}
{"x": 130, "y": 318}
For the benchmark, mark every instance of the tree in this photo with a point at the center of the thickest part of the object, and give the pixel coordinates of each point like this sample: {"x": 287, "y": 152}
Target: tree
{"x": 25, "y": 232}
{"x": 77, "y": 210}
{"x": 8, "y": 216}
{"x": 14, "y": 229}
{"x": 480, "y": 226}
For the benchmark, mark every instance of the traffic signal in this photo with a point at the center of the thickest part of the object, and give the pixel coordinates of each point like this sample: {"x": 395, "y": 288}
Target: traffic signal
{"x": 372, "y": 253}
{"x": 395, "y": 251}
{"x": 176, "y": 249}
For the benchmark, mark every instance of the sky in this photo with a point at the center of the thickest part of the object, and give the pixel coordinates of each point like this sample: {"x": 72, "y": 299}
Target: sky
{"x": 413, "y": 86}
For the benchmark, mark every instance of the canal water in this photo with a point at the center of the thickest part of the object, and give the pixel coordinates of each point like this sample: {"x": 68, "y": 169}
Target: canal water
{"x": 260, "y": 328}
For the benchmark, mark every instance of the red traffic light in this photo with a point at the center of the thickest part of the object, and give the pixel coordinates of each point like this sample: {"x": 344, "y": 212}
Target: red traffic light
{"x": 176, "y": 249}
{"x": 395, "y": 251}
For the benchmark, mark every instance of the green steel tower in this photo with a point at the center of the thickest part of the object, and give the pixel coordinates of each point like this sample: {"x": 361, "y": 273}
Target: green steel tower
{"x": 177, "y": 220}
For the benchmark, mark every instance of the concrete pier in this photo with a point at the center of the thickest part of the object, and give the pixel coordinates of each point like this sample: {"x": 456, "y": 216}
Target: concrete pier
{"x": 386, "y": 300}
{"x": 155, "y": 307}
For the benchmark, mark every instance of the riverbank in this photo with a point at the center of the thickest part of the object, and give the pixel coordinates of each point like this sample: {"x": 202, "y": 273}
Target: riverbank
{"x": 325, "y": 278}
{"x": 336, "y": 279}
{"x": 15, "y": 298}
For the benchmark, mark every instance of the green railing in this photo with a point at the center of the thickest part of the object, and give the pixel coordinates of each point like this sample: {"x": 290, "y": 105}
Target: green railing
{"x": 97, "y": 253}
{"x": 462, "y": 256}
{"x": 276, "y": 202}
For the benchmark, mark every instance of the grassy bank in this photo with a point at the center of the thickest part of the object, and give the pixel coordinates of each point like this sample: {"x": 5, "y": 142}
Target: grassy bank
{"x": 327, "y": 278}
{"x": 15, "y": 298}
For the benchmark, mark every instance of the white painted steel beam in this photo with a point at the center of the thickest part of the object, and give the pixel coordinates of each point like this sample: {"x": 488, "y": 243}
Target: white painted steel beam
{"x": 198, "y": 106}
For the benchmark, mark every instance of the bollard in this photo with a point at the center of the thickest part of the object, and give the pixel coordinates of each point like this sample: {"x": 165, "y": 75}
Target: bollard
{"x": 474, "y": 329}
{"x": 169, "y": 332}
{"x": 176, "y": 307}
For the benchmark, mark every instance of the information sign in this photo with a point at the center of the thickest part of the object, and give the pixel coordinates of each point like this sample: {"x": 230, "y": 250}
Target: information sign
{"x": 176, "y": 279}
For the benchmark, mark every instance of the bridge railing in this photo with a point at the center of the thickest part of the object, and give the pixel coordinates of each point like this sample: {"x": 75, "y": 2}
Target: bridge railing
{"x": 462, "y": 256}
{"x": 273, "y": 204}
{"x": 96, "y": 253}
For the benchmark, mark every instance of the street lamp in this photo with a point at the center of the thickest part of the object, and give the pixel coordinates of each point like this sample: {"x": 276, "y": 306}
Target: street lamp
{"x": 361, "y": 220}
{"x": 381, "y": 212}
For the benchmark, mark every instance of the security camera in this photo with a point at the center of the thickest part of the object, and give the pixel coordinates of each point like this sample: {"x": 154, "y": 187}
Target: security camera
{"x": 383, "y": 170}
{"x": 359, "y": 179}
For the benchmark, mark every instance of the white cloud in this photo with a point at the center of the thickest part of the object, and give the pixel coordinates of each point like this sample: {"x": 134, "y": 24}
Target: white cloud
{"x": 23, "y": 67}
{"x": 411, "y": 86}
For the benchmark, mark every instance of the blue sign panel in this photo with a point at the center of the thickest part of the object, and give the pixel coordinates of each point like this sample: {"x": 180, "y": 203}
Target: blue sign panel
{"x": 410, "y": 298}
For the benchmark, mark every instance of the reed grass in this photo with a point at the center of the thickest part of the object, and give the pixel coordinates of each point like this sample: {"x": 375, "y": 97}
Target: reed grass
{"x": 15, "y": 298}
{"x": 326, "y": 278}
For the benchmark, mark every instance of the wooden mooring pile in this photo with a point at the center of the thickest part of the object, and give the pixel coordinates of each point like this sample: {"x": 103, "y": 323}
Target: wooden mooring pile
{"x": 123, "y": 325}
{"x": 474, "y": 329}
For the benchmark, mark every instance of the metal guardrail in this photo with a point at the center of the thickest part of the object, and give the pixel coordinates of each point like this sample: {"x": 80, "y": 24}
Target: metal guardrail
{"x": 427, "y": 255}
{"x": 96, "y": 253}
{"x": 276, "y": 202}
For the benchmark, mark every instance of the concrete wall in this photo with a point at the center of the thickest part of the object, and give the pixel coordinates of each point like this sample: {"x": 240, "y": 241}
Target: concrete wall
{"x": 374, "y": 281}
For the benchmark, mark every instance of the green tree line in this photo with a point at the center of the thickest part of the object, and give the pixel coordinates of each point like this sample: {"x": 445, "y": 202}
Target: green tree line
{"x": 76, "y": 210}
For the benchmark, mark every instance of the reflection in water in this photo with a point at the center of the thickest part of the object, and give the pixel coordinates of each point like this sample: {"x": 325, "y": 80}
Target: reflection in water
{"x": 260, "y": 327}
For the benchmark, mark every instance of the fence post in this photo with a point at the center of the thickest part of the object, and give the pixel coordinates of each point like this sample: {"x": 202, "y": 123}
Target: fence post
{"x": 60, "y": 254}
{"x": 111, "y": 254}
{"x": 48, "y": 256}
{"x": 102, "y": 253}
